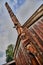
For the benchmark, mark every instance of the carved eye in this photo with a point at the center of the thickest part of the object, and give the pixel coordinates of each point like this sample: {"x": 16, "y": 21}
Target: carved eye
{"x": 23, "y": 37}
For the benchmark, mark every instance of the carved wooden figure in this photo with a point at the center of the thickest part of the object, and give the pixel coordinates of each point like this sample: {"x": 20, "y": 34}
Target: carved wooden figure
{"x": 30, "y": 49}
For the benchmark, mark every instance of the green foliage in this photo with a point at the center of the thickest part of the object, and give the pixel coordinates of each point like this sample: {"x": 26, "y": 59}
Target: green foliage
{"x": 9, "y": 53}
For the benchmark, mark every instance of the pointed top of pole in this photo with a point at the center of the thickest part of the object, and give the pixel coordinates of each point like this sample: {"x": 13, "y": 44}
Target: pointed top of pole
{"x": 14, "y": 19}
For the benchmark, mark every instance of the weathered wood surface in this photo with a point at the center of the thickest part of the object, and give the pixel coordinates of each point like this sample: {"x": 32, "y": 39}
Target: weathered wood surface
{"x": 31, "y": 52}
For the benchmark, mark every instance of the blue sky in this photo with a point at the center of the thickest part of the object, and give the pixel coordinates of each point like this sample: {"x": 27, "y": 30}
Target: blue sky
{"x": 23, "y": 9}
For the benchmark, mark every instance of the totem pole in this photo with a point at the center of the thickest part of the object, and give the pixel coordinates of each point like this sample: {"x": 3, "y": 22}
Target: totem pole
{"x": 27, "y": 53}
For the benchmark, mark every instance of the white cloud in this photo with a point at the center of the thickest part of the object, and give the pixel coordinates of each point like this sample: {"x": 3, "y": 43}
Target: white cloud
{"x": 2, "y": 59}
{"x": 26, "y": 10}
{"x": 15, "y": 1}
